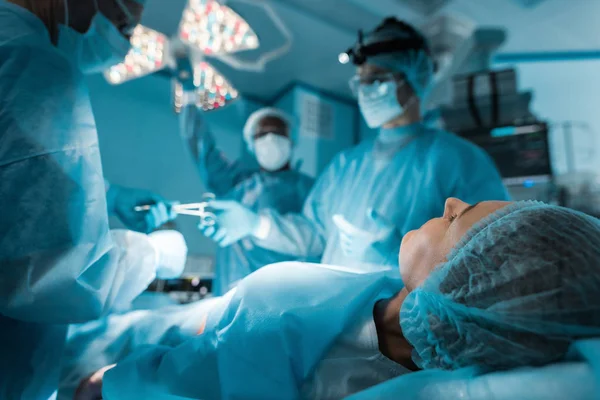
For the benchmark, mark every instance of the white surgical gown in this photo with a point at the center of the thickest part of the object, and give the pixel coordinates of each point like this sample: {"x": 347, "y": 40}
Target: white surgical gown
{"x": 59, "y": 263}
{"x": 282, "y": 191}
{"x": 407, "y": 183}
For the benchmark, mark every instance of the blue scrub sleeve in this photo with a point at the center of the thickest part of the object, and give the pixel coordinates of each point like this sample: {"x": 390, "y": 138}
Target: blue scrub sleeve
{"x": 303, "y": 235}
{"x": 219, "y": 174}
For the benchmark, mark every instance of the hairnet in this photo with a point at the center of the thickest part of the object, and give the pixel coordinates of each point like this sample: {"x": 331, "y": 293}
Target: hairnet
{"x": 256, "y": 117}
{"x": 519, "y": 288}
{"x": 416, "y": 65}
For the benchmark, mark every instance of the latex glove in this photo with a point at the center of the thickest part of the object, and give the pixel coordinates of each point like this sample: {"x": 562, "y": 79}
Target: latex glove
{"x": 91, "y": 387}
{"x": 233, "y": 222}
{"x": 171, "y": 251}
{"x": 122, "y": 202}
{"x": 375, "y": 248}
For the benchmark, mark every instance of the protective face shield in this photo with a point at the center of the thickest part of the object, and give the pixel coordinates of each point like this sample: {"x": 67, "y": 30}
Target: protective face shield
{"x": 101, "y": 47}
{"x": 378, "y": 99}
{"x": 273, "y": 151}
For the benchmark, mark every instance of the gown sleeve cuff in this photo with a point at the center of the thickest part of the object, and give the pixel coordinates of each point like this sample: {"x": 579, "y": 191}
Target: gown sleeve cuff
{"x": 263, "y": 227}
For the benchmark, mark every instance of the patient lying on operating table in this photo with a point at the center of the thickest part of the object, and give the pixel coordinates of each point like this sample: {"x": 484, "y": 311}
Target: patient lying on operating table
{"x": 493, "y": 285}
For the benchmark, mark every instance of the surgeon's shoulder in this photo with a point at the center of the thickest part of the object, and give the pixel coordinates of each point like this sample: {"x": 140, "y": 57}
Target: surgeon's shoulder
{"x": 41, "y": 69}
{"x": 358, "y": 151}
{"x": 447, "y": 143}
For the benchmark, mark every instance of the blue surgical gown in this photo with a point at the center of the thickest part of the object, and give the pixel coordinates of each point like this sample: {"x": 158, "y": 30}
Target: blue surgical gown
{"x": 283, "y": 191}
{"x": 264, "y": 343}
{"x": 59, "y": 263}
{"x": 406, "y": 181}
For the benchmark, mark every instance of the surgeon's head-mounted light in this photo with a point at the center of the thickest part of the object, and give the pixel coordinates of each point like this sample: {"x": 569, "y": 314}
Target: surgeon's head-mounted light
{"x": 360, "y": 53}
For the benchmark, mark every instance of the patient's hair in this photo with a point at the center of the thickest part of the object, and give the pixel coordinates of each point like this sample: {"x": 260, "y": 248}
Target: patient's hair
{"x": 518, "y": 290}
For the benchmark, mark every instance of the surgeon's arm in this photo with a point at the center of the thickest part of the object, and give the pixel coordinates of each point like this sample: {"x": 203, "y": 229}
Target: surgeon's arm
{"x": 59, "y": 263}
{"x": 305, "y": 234}
{"x": 292, "y": 234}
{"x": 218, "y": 173}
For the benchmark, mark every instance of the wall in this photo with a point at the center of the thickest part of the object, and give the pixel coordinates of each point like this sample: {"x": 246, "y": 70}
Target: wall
{"x": 141, "y": 146}
{"x": 567, "y": 91}
{"x": 325, "y": 125}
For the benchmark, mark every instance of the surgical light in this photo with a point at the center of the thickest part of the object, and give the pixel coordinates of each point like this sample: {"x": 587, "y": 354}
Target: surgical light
{"x": 213, "y": 90}
{"x": 148, "y": 53}
{"x": 210, "y": 28}
{"x": 215, "y": 29}
{"x": 344, "y": 58}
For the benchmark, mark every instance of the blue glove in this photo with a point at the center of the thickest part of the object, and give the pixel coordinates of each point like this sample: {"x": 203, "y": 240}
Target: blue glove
{"x": 122, "y": 202}
{"x": 233, "y": 222}
{"x": 381, "y": 248}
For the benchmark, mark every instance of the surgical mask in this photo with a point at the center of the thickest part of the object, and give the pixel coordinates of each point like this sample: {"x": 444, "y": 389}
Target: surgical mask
{"x": 378, "y": 102}
{"x": 272, "y": 151}
{"x": 100, "y": 48}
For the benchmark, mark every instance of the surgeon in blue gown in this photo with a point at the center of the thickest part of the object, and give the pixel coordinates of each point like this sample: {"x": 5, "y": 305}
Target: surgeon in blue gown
{"x": 275, "y": 186}
{"x": 371, "y": 195}
{"x": 59, "y": 262}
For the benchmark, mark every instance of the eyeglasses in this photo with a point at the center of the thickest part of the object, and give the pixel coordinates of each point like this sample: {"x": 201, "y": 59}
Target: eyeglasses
{"x": 369, "y": 80}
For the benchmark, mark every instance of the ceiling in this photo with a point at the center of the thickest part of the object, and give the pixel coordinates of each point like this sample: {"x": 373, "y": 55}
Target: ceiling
{"x": 321, "y": 29}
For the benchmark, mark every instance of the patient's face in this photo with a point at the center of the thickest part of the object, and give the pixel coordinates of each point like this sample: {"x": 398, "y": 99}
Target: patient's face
{"x": 425, "y": 248}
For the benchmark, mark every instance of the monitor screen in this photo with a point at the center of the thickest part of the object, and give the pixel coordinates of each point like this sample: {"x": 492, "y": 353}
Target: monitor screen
{"x": 524, "y": 154}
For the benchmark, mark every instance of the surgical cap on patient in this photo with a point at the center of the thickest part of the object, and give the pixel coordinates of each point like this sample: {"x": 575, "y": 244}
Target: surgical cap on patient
{"x": 518, "y": 289}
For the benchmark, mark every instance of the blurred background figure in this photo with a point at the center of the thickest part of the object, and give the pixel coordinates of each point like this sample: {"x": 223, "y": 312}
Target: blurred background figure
{"x": 371, "y": 195}
{"x": 494, "y": 86}
{"x": 275, "y": 185}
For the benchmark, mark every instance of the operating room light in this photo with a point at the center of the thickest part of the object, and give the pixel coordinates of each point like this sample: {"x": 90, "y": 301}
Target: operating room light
{"x": 147, "y": 55}
{"x": 344, "y": 58}
{"x": 207, "y": 26}
{"x": 213, "y": 90}
{"x": 215, "y": 29}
